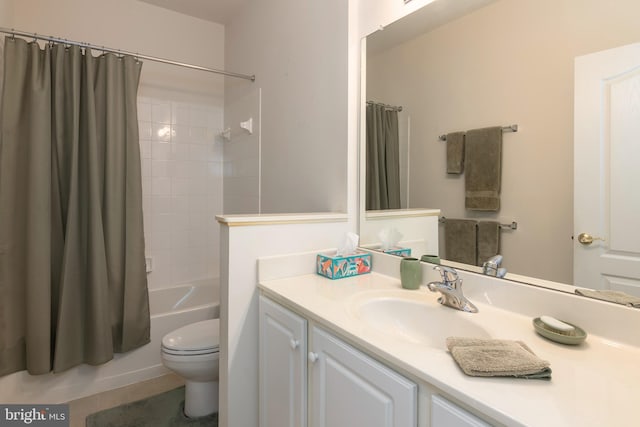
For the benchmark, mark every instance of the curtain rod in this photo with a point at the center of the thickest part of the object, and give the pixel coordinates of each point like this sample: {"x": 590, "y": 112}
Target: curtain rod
{"x": 37, "y": 36}
{"x": 393, "y": 107}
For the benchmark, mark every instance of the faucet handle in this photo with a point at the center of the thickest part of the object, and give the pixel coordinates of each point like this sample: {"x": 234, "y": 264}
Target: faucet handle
{"x": 449, "y": 275}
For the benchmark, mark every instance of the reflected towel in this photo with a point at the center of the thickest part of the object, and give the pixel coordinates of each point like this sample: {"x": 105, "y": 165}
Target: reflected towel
{"x": 455, "y": 152}
{"x": 611, "y": 296}
{"x": 483, "y": 169}
{"x": 488, "y": 240}
{"x": 497, "y": 358}
{"x": 460, "y": 240}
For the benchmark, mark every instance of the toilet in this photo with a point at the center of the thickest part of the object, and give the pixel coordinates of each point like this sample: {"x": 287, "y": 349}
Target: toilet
{"x": 193, "y": 352}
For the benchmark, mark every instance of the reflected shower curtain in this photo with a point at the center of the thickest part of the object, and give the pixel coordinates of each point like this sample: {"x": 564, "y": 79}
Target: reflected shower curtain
{"x": 73, "y": 285}
{"x": 383, "y": 157}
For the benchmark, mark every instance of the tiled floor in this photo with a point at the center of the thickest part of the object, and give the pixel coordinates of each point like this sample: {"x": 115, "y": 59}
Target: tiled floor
{"x": 79, "y": 409}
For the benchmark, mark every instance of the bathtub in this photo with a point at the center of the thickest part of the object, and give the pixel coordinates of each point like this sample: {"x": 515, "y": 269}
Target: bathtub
{"x": 170, "y": 309}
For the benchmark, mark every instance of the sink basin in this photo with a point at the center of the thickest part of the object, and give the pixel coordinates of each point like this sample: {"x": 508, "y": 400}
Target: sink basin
{"x": 414, "y": 316}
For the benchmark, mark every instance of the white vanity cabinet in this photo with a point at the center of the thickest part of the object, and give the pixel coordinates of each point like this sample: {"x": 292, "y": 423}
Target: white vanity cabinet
{"x": 445, "y": 413}
{"x": 348, "y": 388}
{"x": 345, "y": 387}
{"x": 283, "y": 367}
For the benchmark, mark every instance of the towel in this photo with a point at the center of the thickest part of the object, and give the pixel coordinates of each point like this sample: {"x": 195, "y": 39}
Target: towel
{"x": 455, "y": 152}
{"x": 497, "y": 358}
{"x": 460, "y": 240}
{"x": 483, "y": 169}
{"x": 611, "y": 296}
{"x": 488, "y": 240}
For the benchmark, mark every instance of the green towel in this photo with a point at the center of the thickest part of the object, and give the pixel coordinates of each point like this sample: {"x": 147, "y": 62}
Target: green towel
{"x": 483, "y": 169}
{"x": 611, "y": 296}
{"x": 497, "y": 358}
{"x": 455, "y": 152}
{"x": 488, "y": 240}
{"x": 460, "y": 240}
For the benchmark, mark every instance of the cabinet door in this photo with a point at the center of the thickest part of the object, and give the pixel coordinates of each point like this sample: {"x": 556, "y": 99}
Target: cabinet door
{"x": 283, "y": 366}
{"x": 447, "y": 414}
{"x": 350, "y": 389}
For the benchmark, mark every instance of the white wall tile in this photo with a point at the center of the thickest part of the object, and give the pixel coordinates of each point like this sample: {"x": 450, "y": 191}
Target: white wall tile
{"x": 198, "y": 116}
{"x": 198, "y": 135}
{"x": 161, "y": 113}
{"x": 182, "y": 188}
{"x": 161, "y": 168}
{"x": 146, "y": 167}
{"x": 180, "y": 114}
{"x": 181, "y": 133}
{"x": 144, "y": 111}
{"x": 145, "y": 131}
{"x": 180, "y": 205}
{"x": 161, "y": 240}
{"x": 160, "y": 186}
{"x": 179, "y": 151}
{"x": 161, "y": 132}
{"x": 145, "y": 149}
{"x": 160, "y": 150}
{"x": 161, "y": 205}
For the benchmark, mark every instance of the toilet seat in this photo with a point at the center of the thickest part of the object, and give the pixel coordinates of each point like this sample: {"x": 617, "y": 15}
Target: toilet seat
{"x": 194, "y": 339}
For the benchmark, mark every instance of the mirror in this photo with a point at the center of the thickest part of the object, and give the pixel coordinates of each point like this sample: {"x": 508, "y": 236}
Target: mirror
{"x": 507, "y": 62}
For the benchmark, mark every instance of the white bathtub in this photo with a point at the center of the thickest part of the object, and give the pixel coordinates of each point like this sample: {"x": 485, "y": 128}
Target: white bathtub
{"x": 170, "y": 309}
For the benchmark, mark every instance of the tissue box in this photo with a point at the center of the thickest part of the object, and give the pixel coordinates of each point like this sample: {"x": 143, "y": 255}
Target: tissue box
{"x": 398, "y": 251}
{"x": 337, "y": 267}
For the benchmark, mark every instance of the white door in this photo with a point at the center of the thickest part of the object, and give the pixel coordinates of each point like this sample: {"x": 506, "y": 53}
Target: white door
{"x": 607, "y": 170}
{"x": 283, "y": 367}
{"x": 350, "y": 389}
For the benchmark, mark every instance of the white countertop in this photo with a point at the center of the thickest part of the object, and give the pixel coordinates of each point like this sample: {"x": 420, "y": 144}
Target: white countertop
{"x": 594, "y": 384}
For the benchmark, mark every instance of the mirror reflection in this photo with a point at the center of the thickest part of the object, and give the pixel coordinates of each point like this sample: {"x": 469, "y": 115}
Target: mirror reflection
{"x": 509, "y": 62}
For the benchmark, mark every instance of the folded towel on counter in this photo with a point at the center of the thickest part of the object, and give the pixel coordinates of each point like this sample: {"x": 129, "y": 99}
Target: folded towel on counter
{"x": 455, "y": 152}
{"x": 460, "y": 240}
{"x": 497, "y": 358}
{"x": 483, "y": 169}
{"x": 488, "y": 240}
{"x": 611, "y": 296}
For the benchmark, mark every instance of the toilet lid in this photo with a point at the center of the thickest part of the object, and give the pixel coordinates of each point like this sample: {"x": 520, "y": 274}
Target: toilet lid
{"x": 197, "y": 336}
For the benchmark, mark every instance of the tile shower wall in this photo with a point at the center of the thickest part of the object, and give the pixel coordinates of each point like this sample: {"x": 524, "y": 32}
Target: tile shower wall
{"x": 182, "y": 164}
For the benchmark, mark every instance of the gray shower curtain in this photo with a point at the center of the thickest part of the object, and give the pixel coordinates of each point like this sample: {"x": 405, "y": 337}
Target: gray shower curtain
{"x": 73, "y": 285}
{"x": 383, "y": 157}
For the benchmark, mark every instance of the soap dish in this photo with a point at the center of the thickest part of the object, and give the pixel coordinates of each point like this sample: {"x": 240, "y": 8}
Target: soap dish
{"x": 576, "y": 338}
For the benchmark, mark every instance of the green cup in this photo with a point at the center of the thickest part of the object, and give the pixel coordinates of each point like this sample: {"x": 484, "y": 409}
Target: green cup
{"x": 433, "y": 259}
{"x": 410, "y": 273}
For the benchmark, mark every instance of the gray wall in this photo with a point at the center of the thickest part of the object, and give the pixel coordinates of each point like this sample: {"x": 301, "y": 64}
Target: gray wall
{"x": 296, "y": 161}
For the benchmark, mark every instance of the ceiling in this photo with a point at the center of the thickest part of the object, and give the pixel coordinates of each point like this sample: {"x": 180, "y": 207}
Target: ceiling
{"x": 220, "y": 11}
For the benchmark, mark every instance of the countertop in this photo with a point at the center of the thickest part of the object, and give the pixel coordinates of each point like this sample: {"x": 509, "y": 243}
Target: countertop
{"x": 594, "y": 384}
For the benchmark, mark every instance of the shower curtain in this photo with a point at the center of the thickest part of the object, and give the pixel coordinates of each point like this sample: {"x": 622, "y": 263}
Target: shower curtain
{"x": 73, "y": 284}
{"x": 383, "y": 157}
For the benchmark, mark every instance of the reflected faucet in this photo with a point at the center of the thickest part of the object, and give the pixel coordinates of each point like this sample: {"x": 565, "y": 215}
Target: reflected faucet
{"x": 451, "y": 290}
{"x": 491, "y": 267}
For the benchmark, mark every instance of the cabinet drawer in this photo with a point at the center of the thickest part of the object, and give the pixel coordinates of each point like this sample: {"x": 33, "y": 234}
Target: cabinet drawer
{"x": 445, "y": 413}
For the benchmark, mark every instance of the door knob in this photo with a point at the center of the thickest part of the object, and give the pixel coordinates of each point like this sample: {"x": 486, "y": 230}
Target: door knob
{"x": 313, "y": 357}
{"x": 587, "y": 239}
{"x": 294, "y": 343}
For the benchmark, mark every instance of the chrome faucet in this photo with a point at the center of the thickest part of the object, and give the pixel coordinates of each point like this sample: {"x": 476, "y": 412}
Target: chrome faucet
{"x": 451, "y": 290}
{"x": 491, "y": 267}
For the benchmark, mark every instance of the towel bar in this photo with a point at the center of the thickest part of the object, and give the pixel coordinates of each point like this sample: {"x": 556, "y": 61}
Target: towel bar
{"x": 512, "y": 226}
{"x": 512, "y": 128}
